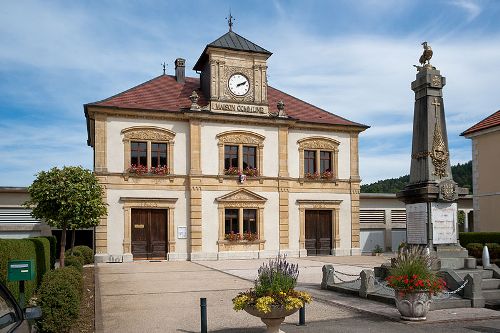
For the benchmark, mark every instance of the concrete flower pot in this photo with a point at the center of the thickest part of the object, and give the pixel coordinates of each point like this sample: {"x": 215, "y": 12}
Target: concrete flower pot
{"x": 272, "y": 319}
{"x": 413, "y": 306}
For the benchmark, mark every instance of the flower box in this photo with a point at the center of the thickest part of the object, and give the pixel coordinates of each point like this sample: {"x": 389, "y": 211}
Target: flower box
{"x": 143, "y": 170}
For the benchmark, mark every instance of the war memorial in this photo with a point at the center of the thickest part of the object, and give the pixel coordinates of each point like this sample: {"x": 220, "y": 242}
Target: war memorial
{"x": 431, "y": 207}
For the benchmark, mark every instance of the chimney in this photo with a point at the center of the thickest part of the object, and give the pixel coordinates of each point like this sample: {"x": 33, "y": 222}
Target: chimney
{"x": 180, "y": 70}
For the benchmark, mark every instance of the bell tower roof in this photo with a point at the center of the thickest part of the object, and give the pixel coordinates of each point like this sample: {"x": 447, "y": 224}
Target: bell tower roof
{"x": 231, "y": 41}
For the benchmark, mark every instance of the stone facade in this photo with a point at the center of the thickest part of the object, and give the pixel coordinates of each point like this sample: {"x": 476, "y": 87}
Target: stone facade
{"x": 196, "y": 190}
{"x": 485, "y": 165}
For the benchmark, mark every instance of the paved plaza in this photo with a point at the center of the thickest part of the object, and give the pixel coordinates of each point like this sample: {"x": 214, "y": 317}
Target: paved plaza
{"x": 164, "y": 297}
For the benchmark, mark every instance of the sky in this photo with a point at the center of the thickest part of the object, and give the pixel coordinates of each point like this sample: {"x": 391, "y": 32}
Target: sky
{"x": 352, "y": 58}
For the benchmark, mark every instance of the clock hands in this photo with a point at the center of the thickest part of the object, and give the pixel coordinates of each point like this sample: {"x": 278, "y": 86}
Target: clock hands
{"x": 242, "y": 83}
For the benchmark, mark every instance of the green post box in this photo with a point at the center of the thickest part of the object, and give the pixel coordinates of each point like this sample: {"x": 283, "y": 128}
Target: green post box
{"x": 21, "y": 270}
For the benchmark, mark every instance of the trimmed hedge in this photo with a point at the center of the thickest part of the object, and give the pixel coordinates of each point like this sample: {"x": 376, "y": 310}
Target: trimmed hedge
{"x": 22, "y": 249}
{"x": 86, "y": 252}
{"x": 74, "y": 261}
{"x": 83, "y": 251}
{"x": 479, "y": 237}
{"x": 60, "y": 296}
{"x": 42, "y": 262}
{"x": 53, "y": 250}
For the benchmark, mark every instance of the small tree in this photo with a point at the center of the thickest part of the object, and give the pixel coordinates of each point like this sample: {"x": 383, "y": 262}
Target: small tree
{"x": 70, "y": 197}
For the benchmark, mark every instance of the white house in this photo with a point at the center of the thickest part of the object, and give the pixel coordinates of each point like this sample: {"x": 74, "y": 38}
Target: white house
{"x": 223, "y": 166}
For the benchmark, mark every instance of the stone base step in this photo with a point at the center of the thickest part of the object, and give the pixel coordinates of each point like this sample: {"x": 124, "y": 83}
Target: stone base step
{"x": 492, "y": 304}
{"x": 450, "y": 303}
{"x": 486, "y": 274}
{"x": 491, "y": 284}
{"x": 493, "y": 294}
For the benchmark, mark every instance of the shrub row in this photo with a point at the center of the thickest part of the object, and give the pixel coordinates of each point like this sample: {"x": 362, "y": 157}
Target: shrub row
{"x": 85, "y": 252}
{"x": 60, "y": 295}
{"x": 37, "y": 249}
{"x": 479, "y": 237}
{"x": 53, "y": 250}
{"x": 476, "y": 250}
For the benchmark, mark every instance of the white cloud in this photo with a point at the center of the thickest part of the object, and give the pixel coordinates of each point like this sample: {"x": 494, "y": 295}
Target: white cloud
{"x": 77, "y": 55}
{"x": 471, "y": 7}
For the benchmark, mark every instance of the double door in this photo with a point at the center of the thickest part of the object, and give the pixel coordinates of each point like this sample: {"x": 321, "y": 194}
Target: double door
{"x": 149, "y": 233}
{"x": 318, "y": 235}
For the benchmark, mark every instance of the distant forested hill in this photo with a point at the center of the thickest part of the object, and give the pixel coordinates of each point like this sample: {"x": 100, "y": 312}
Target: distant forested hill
{"x": 462, "y": 174}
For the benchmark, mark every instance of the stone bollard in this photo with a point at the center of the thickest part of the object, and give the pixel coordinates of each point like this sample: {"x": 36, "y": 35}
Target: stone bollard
{"x": 367, "y": 283}
{"x": 473, "y": 290}
{"x": 328, "y": 276}
{"x": 486, "y": 257}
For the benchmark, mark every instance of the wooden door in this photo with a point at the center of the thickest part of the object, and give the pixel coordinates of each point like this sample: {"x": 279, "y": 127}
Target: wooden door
{"x": 318, "y": 237}
{"x": 149, "y": 233}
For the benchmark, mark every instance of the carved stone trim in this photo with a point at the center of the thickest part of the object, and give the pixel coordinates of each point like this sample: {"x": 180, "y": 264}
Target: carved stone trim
{"x": 317, "y": 142}
{"x": 241, "y": 138}
{"x": 242, "y": 195}
{"x": 241, "y": 199}
{"x": 439, "y": 154}
{"x": 148, "y": 133}
{"x": 227, "y": 73}
{"x": 161, "y": 203}
{"x": 333, "y": 205}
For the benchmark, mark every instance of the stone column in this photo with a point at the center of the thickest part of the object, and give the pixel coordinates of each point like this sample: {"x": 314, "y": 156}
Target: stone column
{"x": 195, "y": 194}
{"x": 283, "y": 187}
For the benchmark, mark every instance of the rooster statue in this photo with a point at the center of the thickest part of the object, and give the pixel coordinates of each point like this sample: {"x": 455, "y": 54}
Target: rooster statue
{"x": 427, "y": 55}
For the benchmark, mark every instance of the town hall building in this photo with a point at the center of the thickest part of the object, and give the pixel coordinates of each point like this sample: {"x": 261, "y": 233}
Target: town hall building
{"x": 223, "y": 166}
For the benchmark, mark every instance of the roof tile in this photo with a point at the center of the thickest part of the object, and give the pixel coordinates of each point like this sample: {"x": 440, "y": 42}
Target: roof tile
{"x": 488, "y": 122}
{"x": 164, "y": 93}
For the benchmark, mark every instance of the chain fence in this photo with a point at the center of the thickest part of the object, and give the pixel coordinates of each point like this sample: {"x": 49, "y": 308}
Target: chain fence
{"x": 337, "y": 273}
{"x": 382, "y": 285}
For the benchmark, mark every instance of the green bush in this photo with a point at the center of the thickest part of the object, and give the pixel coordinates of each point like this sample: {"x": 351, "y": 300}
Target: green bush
{"x": 475, "y": 249}
{"x": 479, "y": 237}
{"x": 60, "y": 297}
{"x": 75, "y": 261}
{"x": 53, "y": 250}
{"x": 87, "y": 253}
{"x": 23, "y": 249}
{"x": 42, "y": 261}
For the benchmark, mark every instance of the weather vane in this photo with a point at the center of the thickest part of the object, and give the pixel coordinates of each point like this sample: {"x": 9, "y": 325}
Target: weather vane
{"x": 230, "y": 19}
{"x": 164, "y": 67}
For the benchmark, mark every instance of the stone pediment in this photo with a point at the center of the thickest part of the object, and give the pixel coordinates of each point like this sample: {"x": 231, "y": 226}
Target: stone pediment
{"x": 241, "y": 195}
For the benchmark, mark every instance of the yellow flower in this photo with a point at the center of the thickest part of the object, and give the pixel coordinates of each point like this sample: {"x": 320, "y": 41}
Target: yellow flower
{"x": 264, "y": 303}
{"x": 293, "y": 303}
{"x": 240, "y": 301}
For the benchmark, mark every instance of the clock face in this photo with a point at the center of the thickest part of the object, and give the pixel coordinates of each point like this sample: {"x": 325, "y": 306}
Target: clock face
{"x": 238, "y": 84}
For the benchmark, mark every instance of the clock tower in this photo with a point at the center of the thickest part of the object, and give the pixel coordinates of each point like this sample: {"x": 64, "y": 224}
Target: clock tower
{"x": 233, "y": 75}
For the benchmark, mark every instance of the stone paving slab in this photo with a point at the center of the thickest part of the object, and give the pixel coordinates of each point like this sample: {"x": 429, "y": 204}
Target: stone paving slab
{"x": 164, "y": 297}
{"x": 161, "y": 297}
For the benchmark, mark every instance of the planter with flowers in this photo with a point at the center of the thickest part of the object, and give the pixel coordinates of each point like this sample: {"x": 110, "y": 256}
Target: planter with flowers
{"x": 327, "y": 175}
{"x": 274, "y": 296}
{"x": 237, "y": 237}
{"x": 414, "y": 283}
{"x": 251, "y": 172}
{"x": 143, "y": 170}
{"x": 232, "y": 171}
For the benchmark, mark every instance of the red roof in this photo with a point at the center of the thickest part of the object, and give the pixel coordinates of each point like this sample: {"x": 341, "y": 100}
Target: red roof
{"x": 489, "y": 122}
{"x": 164, "y": 93}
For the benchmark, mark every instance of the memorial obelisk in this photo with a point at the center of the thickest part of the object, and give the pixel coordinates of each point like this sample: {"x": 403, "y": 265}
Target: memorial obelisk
{"x": 431, "y": 195}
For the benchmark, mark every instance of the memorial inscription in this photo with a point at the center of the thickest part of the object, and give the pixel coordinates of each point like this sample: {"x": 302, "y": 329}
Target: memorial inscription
{"x": 416, "y": 223}
{"x": 444, "y": 215}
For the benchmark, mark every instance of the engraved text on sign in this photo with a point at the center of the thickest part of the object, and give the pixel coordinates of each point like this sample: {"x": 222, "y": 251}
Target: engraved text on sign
{"x": 444, "y": 217}
{"x": 416, "y": 223}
